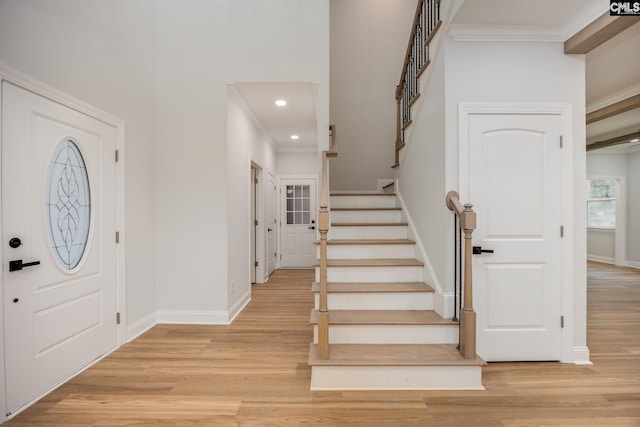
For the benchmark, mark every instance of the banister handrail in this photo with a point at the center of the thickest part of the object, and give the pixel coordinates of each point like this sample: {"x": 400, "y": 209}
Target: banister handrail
{"x": 426, "y": 22}
{"x": 467, "y": 220}
{"x": 323, "y": 228}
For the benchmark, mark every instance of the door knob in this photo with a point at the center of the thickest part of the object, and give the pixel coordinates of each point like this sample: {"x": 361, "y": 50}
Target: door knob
{"x": 19, "y": 265}
{"x": 477, "y": 250}
{"x": 312, "y": 227}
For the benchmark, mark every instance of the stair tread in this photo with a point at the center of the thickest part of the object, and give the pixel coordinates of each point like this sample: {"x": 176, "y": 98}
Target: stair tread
{"x": 368, "y": 242}
{"x": 392, "y": 355}
{"x": 382, "y": 317}
{"x": 368, "y": 224}
{"x": 361, "y": 193}
{"x": 375, "y": 262}
{"x": 373, "y": 287}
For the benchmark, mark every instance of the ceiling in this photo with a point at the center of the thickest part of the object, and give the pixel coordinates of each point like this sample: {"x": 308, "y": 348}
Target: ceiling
{"x": 298, "y": 117}
{"x": 542, "y": 20}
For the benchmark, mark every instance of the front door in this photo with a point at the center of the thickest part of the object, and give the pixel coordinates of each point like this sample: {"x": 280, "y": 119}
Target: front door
{"x": 515, "y": 186}
{"x": 58, "y": 223}
{"x": 298, "y": 231}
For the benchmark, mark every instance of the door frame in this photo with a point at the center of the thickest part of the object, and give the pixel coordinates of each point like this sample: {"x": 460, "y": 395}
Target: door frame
{"x": 26, "y": 82}
{"x": 279, "y": 211}
{"x": 569, "y": 294}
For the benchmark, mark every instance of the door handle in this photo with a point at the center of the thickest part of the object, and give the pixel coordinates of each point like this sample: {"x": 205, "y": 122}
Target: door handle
{"x": 477, "y": 250}
{"x": 312, "y": 227}
{"x": 18, "y": 265}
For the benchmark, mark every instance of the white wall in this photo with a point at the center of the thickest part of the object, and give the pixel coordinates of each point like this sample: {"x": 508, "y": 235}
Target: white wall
{"x": 368, "y": 44}
{"x": 202, "y": 46}
{"x": 297, "y": 164}
{"x": 246, "y": 144}
{"x": 633, "y": 209}
{"x": 492, "y": 72}
{"x": 102, "y": 53}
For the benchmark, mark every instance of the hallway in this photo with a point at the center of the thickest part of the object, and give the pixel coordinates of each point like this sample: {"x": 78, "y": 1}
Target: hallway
{"x": 254, "y": 372}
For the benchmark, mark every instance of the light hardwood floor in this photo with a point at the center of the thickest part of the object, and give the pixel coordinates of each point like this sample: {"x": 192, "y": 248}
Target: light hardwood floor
{"x": 254, "y": 372}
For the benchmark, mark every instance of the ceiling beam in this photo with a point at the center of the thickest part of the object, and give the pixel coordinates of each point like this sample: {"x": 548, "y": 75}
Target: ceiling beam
{"x": 613, "y": 141}
{"x": 598, "y": 32}
{"x": 613, "y": 109}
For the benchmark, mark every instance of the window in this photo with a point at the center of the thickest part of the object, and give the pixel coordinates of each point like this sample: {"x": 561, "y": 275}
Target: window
{"x": 601, "y": 203}
{"x": 298, "y": 204}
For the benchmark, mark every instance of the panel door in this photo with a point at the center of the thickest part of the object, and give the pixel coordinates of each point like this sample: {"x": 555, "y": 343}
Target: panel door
{"x": 298, "y": 230}
{"x": 272, "y": 224}
{"x": 515, "y": 186}
{"x": 58, "y": 209}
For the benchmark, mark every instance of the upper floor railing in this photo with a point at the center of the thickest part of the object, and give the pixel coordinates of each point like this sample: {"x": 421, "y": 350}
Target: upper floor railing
{"x": 425, "y": 24}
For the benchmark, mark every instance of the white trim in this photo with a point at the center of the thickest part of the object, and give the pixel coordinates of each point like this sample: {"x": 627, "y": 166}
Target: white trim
{"x": 235, "y": 95}
{"x": 603, "y": 259}
{"x": 193, "y": 317}
{"x": 141, "y": 326}
{"x": 26, "y": 82}
{"x": 505, "y": 33}
{"x": 633, "y": 264}
{"x": 580, "y": 355}
{"x": 565, "y": 112}
{"x": 239, "y": 306}
{"x": 612, "y": 99}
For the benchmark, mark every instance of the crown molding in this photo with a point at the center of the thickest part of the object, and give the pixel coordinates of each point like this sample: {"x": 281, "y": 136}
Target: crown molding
{"x": 505, "y": 33}
{"x": 613, "y": 98}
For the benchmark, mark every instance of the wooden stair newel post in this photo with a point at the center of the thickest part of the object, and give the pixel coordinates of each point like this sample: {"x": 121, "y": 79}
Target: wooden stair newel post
{"x": 468, "y": 315}
{"x": 398, "y": 123}
{"x": 323, "y": 228}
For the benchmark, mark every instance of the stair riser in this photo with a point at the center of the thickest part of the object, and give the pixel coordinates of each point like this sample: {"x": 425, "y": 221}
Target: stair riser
{"x": 369, "y": 251}
{"x": 363, "y": 201}
{"x": 368, "y": 232}
{"x": 365, "y": 216}
{"x": 390, "y": 334}
{"x": 372, "y": 274}
{"x": 379, "y": 301}
{"x": 396, "y": 377}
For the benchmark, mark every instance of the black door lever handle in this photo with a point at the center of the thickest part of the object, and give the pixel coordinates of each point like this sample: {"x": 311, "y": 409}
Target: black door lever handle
{"x": 18, "y": 265}
{"x": 477, "y": 250}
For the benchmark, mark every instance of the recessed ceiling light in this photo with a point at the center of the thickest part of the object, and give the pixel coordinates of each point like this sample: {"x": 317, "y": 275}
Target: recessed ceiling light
{"x": 281, "y": 102}
{"x": 295, "y": 137}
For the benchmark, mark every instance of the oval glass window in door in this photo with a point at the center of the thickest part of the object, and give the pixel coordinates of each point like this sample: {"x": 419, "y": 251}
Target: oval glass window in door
{"x": 68, "y": 204}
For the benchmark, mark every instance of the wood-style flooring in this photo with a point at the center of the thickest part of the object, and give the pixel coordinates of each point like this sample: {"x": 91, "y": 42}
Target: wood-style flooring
{"x": 254, "y": 372}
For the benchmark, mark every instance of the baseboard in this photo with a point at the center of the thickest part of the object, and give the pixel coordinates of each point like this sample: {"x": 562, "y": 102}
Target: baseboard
{"x": 204, "y": 317}
{"x": 239, "y": 306}
{"x": 140, "y": 327}
{"x": 581, "y": 355}
{"x": 603, "y": 259}
{"x": 633, "y": 264}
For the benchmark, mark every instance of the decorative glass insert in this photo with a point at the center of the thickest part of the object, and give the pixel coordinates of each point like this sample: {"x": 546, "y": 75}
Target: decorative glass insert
{"x": 298, "y": 204}
{"x": 68, "y": 204}
{"x": 601, "y": 203}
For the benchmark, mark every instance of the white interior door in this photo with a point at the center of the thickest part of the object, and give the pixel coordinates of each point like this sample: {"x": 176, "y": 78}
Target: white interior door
{"x": 272, "y": 224}
{"x": 298, "y": 230}
{"x": 515, "y": 187}
{"x": 58, "y": 209}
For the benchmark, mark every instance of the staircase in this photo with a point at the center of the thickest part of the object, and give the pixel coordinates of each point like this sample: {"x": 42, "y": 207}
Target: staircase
{"x": 383, "y": 332}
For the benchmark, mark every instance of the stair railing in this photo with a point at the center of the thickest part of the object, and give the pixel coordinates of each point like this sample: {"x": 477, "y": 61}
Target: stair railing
{"x": 323, "y": 228}
{"x": 425, "y": 24}
{"x": 467, "y": 220}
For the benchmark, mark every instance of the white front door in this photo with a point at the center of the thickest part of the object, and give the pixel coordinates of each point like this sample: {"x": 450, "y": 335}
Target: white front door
{"x": 59, "y": 266}
{"x": 298, "y": 219}
{"x": 514, "y": 183}
{"x": 272, "y": 224}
